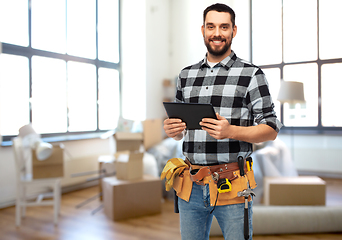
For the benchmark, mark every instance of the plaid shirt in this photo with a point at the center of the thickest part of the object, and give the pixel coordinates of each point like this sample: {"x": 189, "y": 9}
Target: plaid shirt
{"x": 239, "y": 92}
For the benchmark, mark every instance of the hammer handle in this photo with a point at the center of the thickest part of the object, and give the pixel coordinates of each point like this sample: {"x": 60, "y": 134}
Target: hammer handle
{"x": 246, "y": 225}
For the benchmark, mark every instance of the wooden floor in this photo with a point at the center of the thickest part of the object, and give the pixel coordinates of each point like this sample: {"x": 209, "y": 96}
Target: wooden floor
{"x": 80, "y": 224}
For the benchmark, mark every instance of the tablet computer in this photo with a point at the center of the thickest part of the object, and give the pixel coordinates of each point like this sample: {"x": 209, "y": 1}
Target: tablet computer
{"x": 190, "y": 113}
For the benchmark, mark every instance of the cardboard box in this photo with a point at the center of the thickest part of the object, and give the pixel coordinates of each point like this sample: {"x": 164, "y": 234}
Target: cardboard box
{"x": 129, "y": 199}
{"x": 129, "y": 161}
{"x": 128, "y": 141}
{"x": 129, "y": 165}
{"x": 303, "y": 190}
{"x": 151, "y": 135}
{"x": 52, "y": 167}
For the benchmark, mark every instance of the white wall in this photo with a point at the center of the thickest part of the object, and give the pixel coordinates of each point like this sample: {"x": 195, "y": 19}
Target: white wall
{"x": 133, "y": 57}
{"x": 157, "y": 54}
{"x": 145, "y": 57}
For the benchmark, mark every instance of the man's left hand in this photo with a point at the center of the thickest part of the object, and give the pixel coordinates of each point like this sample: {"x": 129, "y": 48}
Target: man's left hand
{"x": 218, "y": 129}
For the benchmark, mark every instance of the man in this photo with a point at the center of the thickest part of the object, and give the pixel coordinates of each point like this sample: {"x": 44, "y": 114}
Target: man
{"x": 239, "y": 93}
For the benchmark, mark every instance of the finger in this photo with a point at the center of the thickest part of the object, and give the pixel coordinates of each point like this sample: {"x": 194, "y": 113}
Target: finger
{"x": 219, "y": 117}
{"x": 172, "y": 120}
{"x": 175, "y": 126}
{"x": 209, "y": 120}
{"x": 208, "y": 127}
{"x": 172, "y": 132}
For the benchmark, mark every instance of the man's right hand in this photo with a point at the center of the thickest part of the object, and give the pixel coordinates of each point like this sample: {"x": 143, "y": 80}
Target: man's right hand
{"x": 174, "y": 128}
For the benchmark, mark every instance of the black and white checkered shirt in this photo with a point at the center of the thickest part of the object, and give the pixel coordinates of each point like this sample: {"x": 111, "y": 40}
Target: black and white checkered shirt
{"x": 239, "y": 92}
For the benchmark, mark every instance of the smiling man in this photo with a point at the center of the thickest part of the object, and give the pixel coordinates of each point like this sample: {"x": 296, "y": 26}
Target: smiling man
{"x": 217, "y": 168}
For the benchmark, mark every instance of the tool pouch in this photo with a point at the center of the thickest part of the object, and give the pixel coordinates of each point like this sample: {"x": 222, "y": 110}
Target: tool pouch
{"x": 238, "y": 184}
{"x": 183, "y": 185}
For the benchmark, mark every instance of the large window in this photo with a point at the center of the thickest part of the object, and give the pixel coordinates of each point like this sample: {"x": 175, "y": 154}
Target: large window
{"x": 59, "y": 67}
{"x": 298, "y": 40}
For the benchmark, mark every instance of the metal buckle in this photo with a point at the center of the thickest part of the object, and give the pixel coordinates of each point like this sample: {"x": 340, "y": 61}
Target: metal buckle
{"x": 215, "y": 176}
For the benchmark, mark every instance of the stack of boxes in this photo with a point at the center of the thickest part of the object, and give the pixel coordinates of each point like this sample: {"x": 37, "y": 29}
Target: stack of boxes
{"x": 130, "y": 193}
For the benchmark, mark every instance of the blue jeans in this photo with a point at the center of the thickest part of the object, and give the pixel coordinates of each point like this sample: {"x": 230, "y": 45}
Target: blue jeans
{"x": 195, "y": 217}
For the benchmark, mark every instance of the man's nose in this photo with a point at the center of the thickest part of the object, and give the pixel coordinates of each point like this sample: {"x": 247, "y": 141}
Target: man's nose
{"x": 217, "y": 31}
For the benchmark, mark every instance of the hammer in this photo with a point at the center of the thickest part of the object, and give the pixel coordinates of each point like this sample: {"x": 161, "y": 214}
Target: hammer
{"x": 245, "y": 193}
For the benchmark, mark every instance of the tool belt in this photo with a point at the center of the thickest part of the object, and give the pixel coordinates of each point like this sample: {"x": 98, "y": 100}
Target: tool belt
{"x": 228, "y": 171}
{"x": 212, "y": 175}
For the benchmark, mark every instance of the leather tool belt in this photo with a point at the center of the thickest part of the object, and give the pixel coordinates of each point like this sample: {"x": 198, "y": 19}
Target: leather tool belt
{"x": 217, "y": 172}
{"x": 210, "y": 175}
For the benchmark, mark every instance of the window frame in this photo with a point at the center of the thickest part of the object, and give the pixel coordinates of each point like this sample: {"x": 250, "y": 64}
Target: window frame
{"x": 319, "y": 129}
{"x": 29, "y": 52}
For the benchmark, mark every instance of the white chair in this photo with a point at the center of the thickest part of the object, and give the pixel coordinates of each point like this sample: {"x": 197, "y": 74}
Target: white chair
{"x": 25, "y": 180}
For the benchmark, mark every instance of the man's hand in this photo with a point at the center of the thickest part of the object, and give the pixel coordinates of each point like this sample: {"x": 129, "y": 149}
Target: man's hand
{"x": 174, "y": 128}
{"x": 218, "y": 129}
{"x": 221, "y": 129}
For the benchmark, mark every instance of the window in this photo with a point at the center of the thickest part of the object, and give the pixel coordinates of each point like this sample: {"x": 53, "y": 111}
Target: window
{"x": 59, "y": 67}
{"x": 292, "y": 40}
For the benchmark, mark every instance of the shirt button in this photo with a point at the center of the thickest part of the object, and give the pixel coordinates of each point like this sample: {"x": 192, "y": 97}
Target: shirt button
{"x": 206, "y": 88}
{"x": 212, "y": 70}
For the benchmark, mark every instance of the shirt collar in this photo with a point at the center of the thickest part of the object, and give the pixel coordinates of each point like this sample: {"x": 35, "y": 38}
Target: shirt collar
{"x": 226, "y": 63}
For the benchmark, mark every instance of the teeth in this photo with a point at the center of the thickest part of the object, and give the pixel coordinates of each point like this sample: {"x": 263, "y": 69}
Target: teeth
{"x": 217, "y": 42}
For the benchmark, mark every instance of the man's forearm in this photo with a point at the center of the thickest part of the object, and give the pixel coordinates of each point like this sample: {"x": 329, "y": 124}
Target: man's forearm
{"x": 253, "y": 134}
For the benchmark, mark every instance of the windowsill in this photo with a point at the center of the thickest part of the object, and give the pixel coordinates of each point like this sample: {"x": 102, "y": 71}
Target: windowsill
{"x": 63, "y": 138}
{"x": 310, "y": 131}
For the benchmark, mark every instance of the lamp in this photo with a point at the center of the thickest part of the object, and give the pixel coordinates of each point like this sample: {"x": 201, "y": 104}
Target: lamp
{"x": 291, "y": 92}
{"x": 31, "y": 139}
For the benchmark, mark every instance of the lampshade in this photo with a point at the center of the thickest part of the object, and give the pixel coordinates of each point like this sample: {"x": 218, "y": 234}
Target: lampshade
{"x": 43, "y": 150}
{"x": 32, "y": 139}
{"x": 28, "y": 135}
{"x": 291, "y": 92}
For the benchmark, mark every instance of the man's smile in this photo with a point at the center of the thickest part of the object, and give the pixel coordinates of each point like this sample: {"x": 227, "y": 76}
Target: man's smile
{"x": 217, "y": 41}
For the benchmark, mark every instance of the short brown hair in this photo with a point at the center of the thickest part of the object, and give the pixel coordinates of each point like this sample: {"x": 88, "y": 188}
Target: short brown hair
{"x": 219, "y": 7}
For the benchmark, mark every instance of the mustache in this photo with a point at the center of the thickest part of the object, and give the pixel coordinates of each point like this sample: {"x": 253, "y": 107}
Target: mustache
{"x": 217, "y": 39}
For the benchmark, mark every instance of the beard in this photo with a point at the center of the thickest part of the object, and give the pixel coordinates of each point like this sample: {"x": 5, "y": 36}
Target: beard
{"x": 219, "y": 51}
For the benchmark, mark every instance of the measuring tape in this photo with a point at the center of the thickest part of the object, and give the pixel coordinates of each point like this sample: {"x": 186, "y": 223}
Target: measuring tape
{"x": 224, "y": 185}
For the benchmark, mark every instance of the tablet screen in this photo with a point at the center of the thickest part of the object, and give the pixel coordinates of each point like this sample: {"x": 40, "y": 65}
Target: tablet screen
{"x": 190, "y": 113}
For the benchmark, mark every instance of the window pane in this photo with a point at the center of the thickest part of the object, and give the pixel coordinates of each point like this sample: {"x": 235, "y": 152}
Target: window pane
{"x": 48, "y": 25}
{"x": 300, "y": 30}
{"x": 81, "y": 38}
{"x": 267, "y": 36}
{"x": 305, "y": 114}
{"x": 14, "y": 22}
{"x": 82, "y": 96}
{"x": 330, "y": 38}
{"x": 14, "y": 100}
{"x": 109, "y": 98}
{"x": 273, "y": 78}
{"x": 108, "y": 30}
{"x": 49, "y": 109}
{"x": 331, "y": 89}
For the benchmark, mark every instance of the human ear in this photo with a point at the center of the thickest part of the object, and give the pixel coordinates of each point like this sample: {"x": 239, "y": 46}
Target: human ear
{"x": 234, "y": 31}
